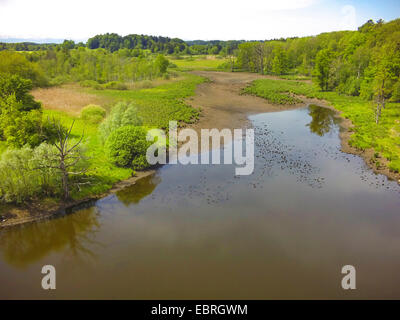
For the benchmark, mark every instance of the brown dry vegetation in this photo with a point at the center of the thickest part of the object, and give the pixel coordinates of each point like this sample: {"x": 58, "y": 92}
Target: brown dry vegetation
{"x": 67, "y": 98}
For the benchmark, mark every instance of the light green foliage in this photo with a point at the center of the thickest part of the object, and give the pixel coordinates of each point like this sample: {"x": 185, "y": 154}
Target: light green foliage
{"x": 127, "y": 147}
{"x": 161, "y": 64}
{"x": 396, "y": 92}
{"x": 100, "y": 67}
{"x": 200, "y": 63}
{"x": 122, "y": 114}
{"x": 279, "y": 91}
{"x": 91, "y": 84}
{"x": 25, "y": 174}
{"x": 280, "y": 61}
{"x": 349, "y": 62}
{"x": 101, "y": 172}
{"x": 17, "y": 64}
{"x": 93, "y": 113}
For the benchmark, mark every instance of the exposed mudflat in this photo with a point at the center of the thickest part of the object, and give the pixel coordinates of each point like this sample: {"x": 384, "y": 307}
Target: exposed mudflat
{"x": 221, "y": 102}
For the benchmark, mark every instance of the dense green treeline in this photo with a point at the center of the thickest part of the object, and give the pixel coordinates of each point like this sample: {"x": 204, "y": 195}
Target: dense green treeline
{"x": 26, "y": 46}
{"x": 362, "y": 63}
{"x": 113, "y": 42}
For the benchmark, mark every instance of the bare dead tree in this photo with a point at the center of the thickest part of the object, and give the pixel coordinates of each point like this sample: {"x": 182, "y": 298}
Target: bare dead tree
{"x": 260, "y": 54}
{"x": 68, "y": 158}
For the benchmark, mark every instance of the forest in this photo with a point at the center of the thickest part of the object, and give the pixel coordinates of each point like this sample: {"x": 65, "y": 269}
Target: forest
{"x": 142, "y": 80}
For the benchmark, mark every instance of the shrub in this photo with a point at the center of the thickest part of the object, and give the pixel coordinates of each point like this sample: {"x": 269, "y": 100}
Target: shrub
{"x": 91, "y": 84}
{"x": 115, "y": 85}
{"x": 127, "y": 146}
{"x": 145, "y": 84}
{"x": 26, "y": 174}
{"x": 19, "y": 127}
{"x": 93, "y": 113}
{"x": 11, "y": 84}
{"x": 122, "y": 114}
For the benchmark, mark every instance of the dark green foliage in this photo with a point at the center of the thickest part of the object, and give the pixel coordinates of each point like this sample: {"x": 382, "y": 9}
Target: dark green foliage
{"x": 20, "y": 115}
{"x": 127, "y": 146}
{"x": 13, "y": 84}
{"x": 114, "y": 42}
{"x": 19, "y": 127}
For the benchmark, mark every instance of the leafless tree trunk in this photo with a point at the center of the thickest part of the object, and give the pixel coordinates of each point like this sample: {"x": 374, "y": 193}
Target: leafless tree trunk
{"x": 68, "y": 158}
{"x": 260, "y": 53}
{"x": 380, "y": 102}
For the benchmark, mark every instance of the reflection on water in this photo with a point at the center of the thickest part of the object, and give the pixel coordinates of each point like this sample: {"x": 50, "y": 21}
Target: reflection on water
{"x": 23, "y": 245}
{"x": 142, "y": 188}
{"x": 198, "y": 231}
{"x": 323, "y": 119}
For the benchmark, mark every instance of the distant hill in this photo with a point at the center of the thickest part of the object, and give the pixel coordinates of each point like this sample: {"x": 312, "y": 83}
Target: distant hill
{"x": 31, "y": 40}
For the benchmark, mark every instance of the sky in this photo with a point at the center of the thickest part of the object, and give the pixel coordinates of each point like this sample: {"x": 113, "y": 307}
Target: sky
{"x": 187, "y": 19}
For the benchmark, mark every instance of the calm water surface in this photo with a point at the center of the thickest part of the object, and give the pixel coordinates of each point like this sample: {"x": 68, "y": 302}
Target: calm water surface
{"x": 198, "y": 231}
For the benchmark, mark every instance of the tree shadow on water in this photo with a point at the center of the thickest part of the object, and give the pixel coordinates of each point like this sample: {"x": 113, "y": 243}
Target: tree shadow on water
{"x": 136, "y": 192}
{"x": 71, "y": 235}
{"x": 323, "y": 119}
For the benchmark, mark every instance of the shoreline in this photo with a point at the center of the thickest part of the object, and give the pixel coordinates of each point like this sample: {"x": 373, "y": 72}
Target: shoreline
{"x": 222, "y": 106}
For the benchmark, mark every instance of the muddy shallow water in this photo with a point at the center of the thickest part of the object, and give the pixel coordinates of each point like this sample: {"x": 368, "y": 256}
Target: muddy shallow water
{"x": 197, "y": 231}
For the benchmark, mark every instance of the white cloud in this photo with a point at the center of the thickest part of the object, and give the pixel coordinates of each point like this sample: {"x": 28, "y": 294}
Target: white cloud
{"x": 206, "y": 19}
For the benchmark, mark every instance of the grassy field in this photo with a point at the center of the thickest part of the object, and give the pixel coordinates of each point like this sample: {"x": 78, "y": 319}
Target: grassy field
{"x": 156, "y": 106}
{"x": 199, "y": 63}
{"x": 384, "y": 138}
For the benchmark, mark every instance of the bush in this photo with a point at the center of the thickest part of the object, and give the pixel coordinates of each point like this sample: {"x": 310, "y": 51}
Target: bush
{"x": 115, "y": 85}
{"x": 127, "y": 146}
{"x": 24, "y": 174}
{"x": 91, "y": 84}
{"x": 93, "y": 113}
{"x": 145, "y": 84}
{"x": 19, "y": 127}
{"x": 11, "y": 84}
{"x": 122, "y": 114}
